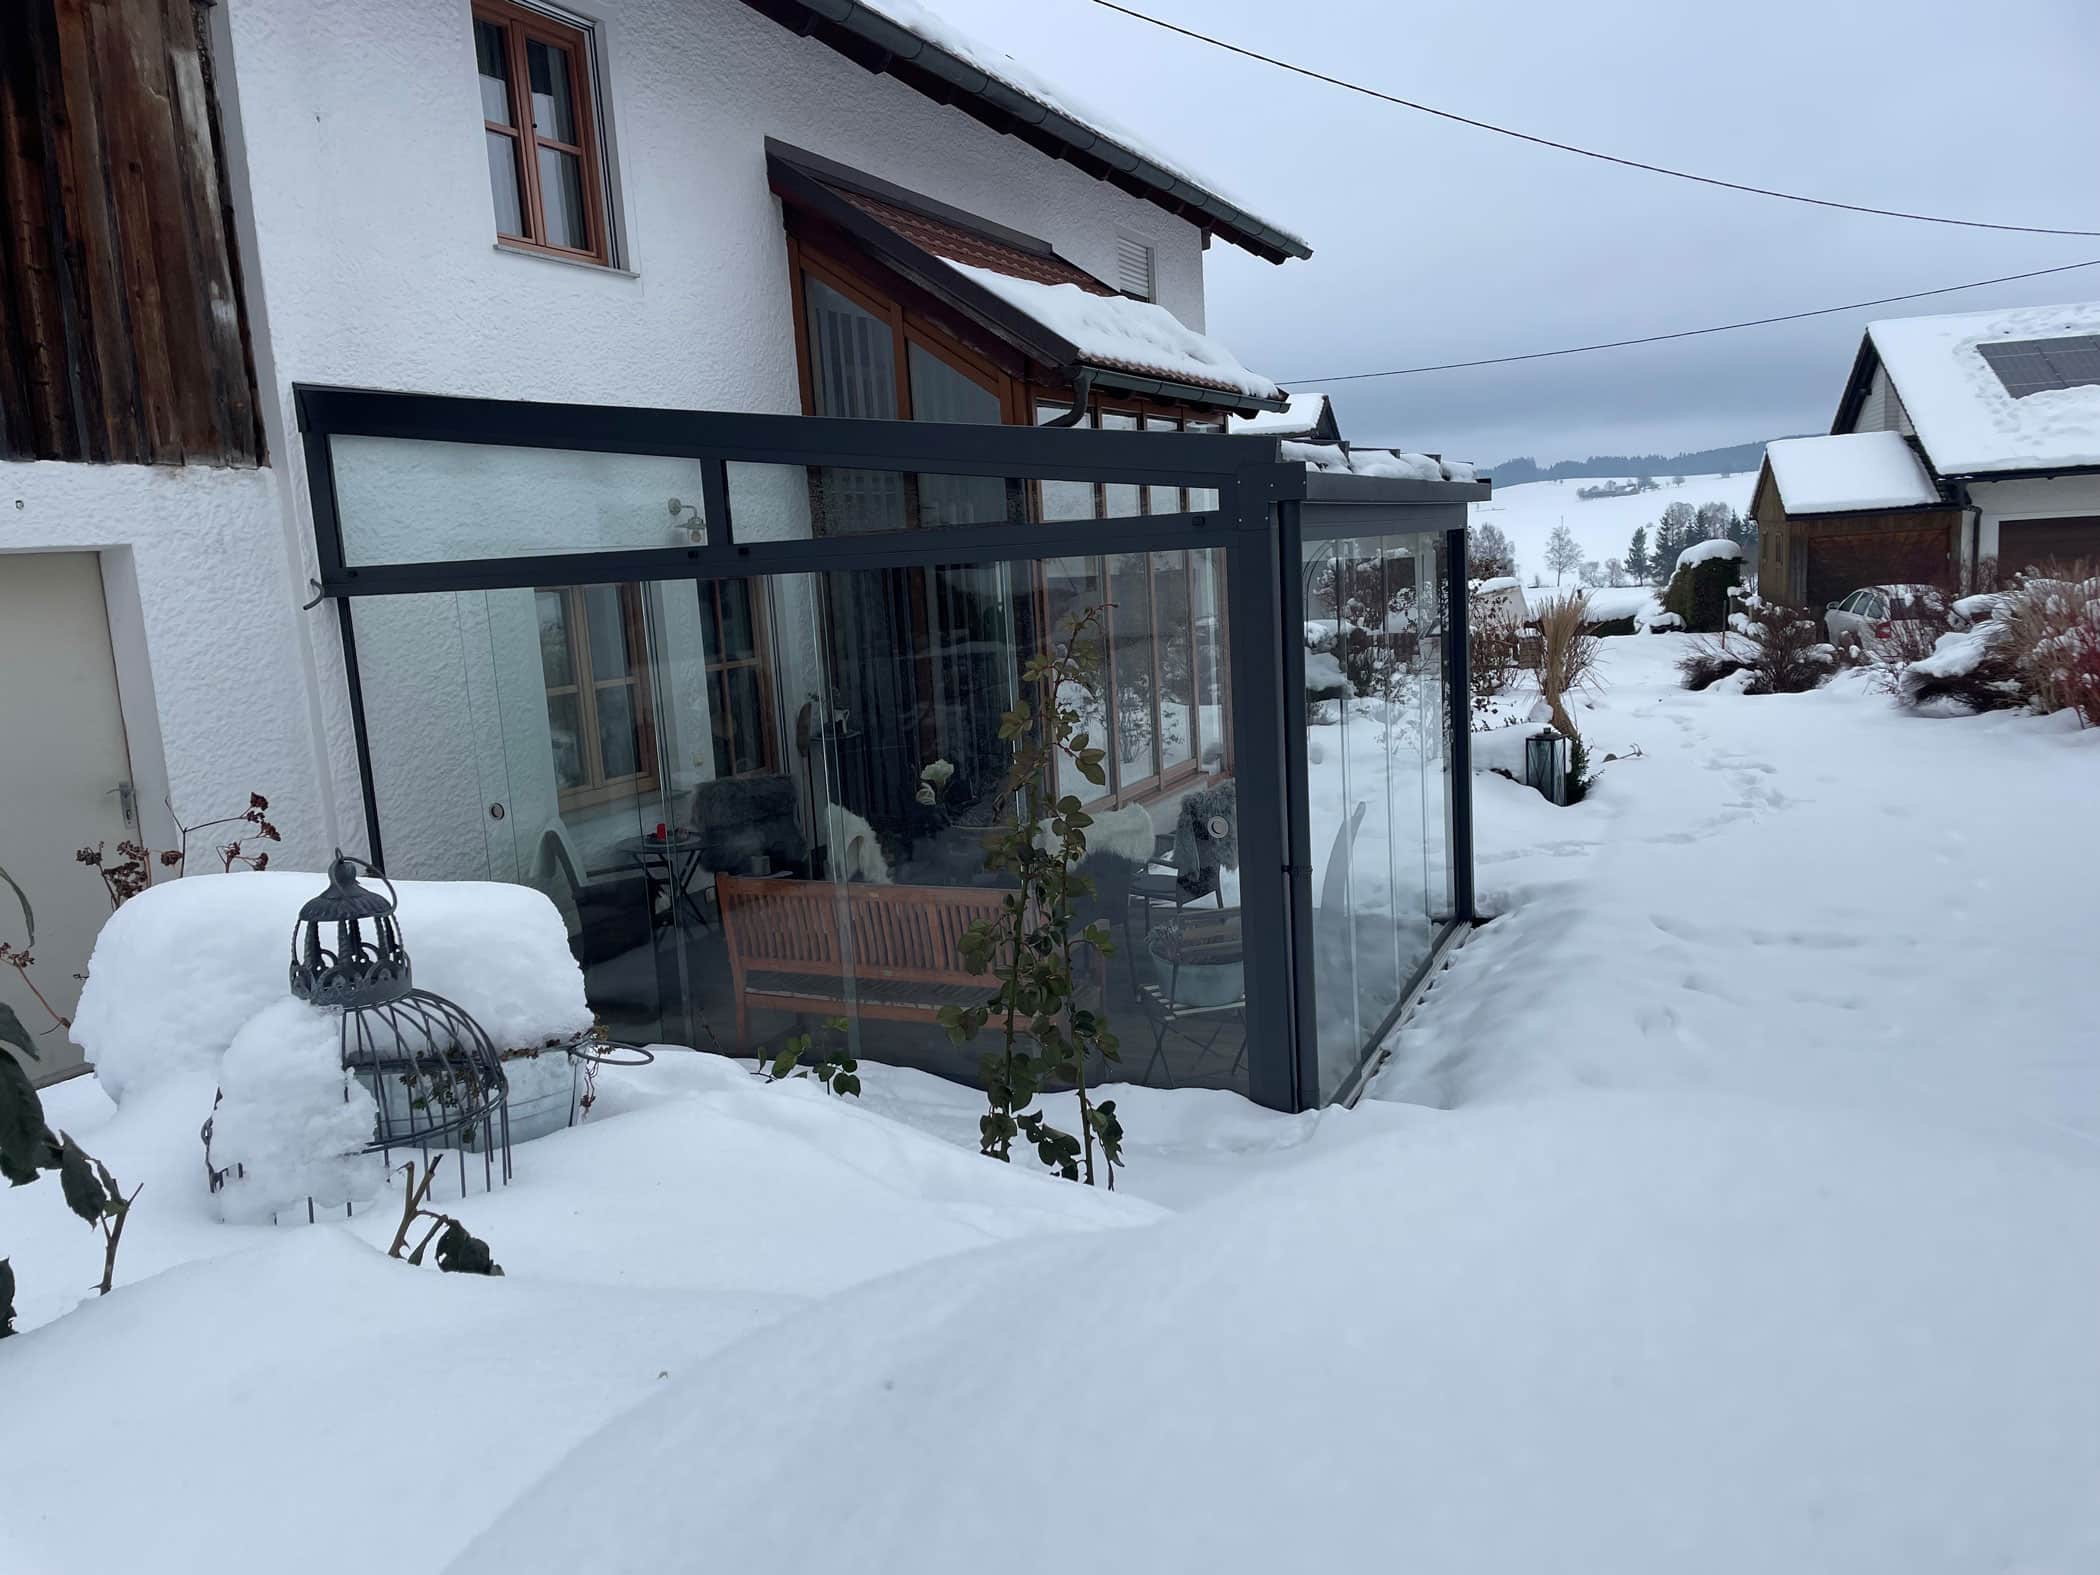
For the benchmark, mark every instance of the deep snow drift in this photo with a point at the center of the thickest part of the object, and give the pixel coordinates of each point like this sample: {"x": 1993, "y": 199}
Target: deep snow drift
{"x": 1727, "y": 1207}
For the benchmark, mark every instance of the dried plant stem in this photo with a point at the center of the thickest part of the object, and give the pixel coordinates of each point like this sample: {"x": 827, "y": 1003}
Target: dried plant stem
{"x": 112, "y": 1234}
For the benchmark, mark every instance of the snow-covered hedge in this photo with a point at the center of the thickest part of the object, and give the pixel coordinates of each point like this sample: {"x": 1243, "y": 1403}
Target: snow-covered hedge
{"x": 180, "y": 968}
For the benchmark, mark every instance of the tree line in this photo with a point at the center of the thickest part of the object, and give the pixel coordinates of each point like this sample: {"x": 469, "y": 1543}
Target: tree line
{"x": 1650, "y": 559}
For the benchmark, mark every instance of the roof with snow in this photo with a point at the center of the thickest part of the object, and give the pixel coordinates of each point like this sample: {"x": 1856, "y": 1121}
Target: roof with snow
{"x": 1308, "y": 415}
{"x": 1974, "y": 417}
{"x": 929, "y": 54}
{"x": 1017, "y": 288}
{"x": 1392, "y": 464}
{"x": 1123, "y": 334}
{"x": 1849, "y": 471}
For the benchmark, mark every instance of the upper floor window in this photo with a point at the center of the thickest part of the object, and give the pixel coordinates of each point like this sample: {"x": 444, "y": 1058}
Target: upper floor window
{"x": 540, "y": 121}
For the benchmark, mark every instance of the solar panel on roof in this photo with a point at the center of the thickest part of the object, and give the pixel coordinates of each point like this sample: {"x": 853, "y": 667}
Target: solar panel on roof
{"x": 2030, "y": 366}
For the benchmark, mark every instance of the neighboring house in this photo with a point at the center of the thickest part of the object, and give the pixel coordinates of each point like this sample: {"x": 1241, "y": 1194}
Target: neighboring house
{"x": 1960, "y": 443}
{"x": 598, "y": 619}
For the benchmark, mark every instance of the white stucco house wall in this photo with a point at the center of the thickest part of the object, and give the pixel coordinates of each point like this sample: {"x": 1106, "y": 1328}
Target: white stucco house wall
{"x": 359, "y": 182}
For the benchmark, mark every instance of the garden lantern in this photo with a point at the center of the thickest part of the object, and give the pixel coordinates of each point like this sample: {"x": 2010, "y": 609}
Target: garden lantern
{"x": 436, "y": 1078}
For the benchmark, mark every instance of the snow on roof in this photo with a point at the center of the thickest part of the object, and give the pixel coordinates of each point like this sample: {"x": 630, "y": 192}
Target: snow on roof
{"x": 944, "y": 35}
{"x": 1117, "y": 331}
{"x": 1301, "y": 417}
{"x": 1849, "y": 470}
{"x": 1390, "y": 463}
{"x": 1964, "y": 416}
{"x": 1719, "y": 547}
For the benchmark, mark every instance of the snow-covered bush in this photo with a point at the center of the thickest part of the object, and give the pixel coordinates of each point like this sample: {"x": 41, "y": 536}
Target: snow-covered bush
{"x": 2036, "y": 644}
{"x": 1787, "y": 654}
{"x": 1699, "y": 586}
{"x": 180, "y": 968}
{"x": 1705, "y": 664}
{"x": 1493, "y": 649}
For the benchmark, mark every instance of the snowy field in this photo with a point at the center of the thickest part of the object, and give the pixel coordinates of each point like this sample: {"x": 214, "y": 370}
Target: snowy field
{"x": 1729, "y": 1207}
{"x": 1528, "y": 513}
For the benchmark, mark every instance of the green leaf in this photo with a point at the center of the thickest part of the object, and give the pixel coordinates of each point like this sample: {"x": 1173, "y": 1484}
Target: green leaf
{"x": 28, "y": 917}
{"x": 77, "y": 1179}
{"x": 13, "y": 1033}
{"x": 26, "y": 1144}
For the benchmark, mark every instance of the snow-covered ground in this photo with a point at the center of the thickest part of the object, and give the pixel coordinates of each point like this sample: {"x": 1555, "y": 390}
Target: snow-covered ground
{"x": 1729, "y": 1206}
{"x": 1603, "y": 526}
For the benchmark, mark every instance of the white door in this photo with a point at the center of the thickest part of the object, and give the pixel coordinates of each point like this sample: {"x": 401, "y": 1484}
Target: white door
{"x": 65, "y": 784}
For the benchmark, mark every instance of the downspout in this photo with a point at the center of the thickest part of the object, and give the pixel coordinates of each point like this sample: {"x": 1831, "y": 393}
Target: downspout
{"x": 1082, "y": 390}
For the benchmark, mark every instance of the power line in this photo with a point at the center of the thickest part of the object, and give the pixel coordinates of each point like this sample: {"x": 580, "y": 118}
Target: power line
{"x": 1569, "y": 147}
{"x": 1693, "y": 333}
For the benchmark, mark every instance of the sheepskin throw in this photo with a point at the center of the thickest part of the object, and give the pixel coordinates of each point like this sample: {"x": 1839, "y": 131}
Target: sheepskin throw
{"x": 855, "y": 853}
{"x": 1206, "y": 838}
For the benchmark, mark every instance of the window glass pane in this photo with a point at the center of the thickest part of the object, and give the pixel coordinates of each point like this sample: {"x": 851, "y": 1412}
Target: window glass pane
{"x": 1072, "y": 588}
{"x": 732, "y": 629}
{"x": 1177, "y": 667}
{"x": 1207, "y": 607}
{"x": 552, "y": 607}
{"x": 853, "y": 356}
{"x": 1162, "y": 500}
{"x": 503, "y": 183}
{"x": 619, "y": 743}
{"x": 743, "y": 749}
{"x": 561, "y": 193}
{"x": 553, "y": 110}
{"x": 1064, "y": 500}
{"x": 603, "y": 615}
{"x": 941, "y": 393}
{"x": 565, "y": 729}
{"x": 403, "y": 500}
{"x": 492, "y": 58}
{"x": 1120, "y": 498}
{"x": 1201, "y": 498}
{"x": 1130, "y": 622}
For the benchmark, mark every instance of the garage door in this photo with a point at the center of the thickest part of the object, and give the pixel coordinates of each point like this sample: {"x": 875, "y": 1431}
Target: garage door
{"x": 2025, "y": 543}
{"x": 1838, "y": 564}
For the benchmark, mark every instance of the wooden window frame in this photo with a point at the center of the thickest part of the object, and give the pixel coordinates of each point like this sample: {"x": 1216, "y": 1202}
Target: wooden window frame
{"x": 1019, "y": 398}
{"x": 522, "y": 24}
{"x": 585, "y": 685}
{"x": 716, "y": 665}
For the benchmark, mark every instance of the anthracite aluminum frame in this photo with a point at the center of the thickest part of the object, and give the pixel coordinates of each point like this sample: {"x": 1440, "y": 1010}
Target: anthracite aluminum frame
{"x": 1266, "y": 510}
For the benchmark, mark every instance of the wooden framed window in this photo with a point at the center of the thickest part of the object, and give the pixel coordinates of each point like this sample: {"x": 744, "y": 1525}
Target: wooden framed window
{"x": 739, "y": 690}
{"x": 539, "y": 117}
{"x": 594, "y": 660}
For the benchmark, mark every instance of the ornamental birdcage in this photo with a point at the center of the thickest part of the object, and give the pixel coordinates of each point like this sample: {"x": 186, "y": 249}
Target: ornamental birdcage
{"x": 437, "y": 1080}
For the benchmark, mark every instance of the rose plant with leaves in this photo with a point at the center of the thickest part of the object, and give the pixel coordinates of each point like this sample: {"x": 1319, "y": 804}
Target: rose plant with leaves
{"x": 1036, "y": 948}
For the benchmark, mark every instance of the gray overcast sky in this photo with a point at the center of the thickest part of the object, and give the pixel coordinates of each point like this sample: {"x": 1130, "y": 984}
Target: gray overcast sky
{"x": 1435, "y": 242}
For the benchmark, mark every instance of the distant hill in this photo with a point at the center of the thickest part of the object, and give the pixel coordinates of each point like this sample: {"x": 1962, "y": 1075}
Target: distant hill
{"x": 1698, "y": 462}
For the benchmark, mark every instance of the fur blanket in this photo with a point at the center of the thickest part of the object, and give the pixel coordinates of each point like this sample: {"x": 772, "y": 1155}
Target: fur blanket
{"x": 1124, "y": 833}
{"x": 855, "y": 852}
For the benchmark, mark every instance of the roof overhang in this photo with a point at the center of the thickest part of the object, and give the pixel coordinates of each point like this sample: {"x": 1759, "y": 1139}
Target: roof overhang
{"x": 874, "y": 41}
{"x": 807, "y": 181}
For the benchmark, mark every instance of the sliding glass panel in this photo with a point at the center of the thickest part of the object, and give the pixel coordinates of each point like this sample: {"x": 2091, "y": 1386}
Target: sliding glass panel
{"x": 1201, "y": 498}
{"x": 1373, "y": 746}
{"x": 500, "y": 752}
{"x": 405, "y": 500}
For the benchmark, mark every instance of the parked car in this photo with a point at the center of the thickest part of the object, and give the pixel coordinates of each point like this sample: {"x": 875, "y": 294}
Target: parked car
{"x": 1886, "y": 620}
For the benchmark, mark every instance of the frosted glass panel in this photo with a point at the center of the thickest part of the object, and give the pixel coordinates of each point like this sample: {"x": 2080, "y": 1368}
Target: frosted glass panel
{"x": 404, "y": 500}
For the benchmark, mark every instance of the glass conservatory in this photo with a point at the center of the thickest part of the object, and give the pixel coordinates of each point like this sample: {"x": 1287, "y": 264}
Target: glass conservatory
{"x": 728, "y": 688}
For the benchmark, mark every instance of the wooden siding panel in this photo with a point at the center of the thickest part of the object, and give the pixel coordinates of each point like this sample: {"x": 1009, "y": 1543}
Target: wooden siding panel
{"x": 120, "y": 281}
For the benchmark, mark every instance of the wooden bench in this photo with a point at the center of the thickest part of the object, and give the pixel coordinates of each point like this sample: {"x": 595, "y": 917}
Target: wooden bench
{"x": 786, "y": 950}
